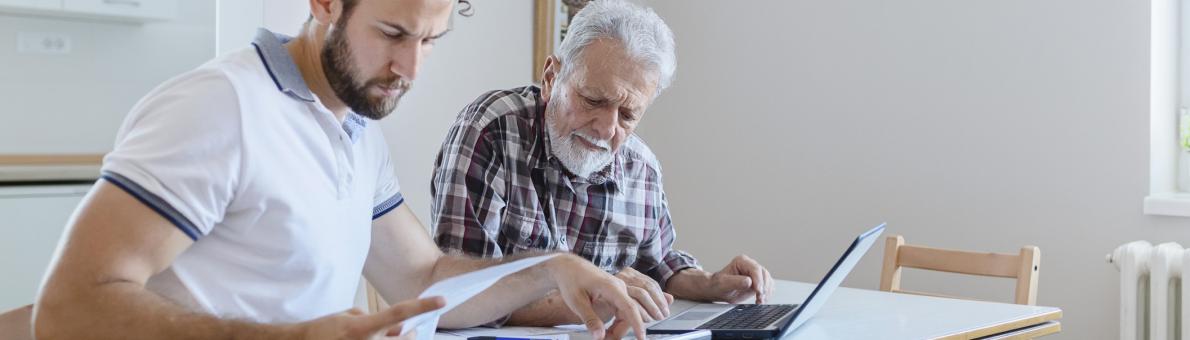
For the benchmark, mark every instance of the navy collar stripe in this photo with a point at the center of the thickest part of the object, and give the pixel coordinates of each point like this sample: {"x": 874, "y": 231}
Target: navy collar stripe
{"x": 280, "y": 65}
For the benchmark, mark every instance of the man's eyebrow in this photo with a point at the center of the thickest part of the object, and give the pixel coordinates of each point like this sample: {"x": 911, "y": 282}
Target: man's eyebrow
{"x": 405, "y": 31}
{"x": 592, "y": 93}
{"x": 439, "y": 35}
{"x": 395, "y": 26}
{"x": 633, "y": 107}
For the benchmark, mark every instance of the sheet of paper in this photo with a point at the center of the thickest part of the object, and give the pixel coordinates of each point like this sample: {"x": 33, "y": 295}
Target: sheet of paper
{"x": 459, "y": 289}
{"x": 579, "y": 327}
{"x": 512, "y": 332}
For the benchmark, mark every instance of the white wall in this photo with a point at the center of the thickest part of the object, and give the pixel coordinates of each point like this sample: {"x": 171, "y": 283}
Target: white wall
{"x": 74, "y": 103}
{"x": 982, "y": 125}
{"x": 239, "y": 19}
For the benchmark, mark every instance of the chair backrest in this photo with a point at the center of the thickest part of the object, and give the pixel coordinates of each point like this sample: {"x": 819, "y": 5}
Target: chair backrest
{"x": 1024, "y": 267}
{"x": 17, "y": 324}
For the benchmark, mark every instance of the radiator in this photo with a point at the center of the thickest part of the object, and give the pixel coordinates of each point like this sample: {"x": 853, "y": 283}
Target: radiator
{"x": 1151, "y": 289}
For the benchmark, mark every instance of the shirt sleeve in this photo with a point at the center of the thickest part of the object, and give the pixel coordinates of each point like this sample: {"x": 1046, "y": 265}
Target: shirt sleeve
{"x": 658, "y": 259}
{"x": 388, "y": 189}
{"x": 179, "y": 151}
{"x": 467, "y": 181}
{"x": 467, "y": 184}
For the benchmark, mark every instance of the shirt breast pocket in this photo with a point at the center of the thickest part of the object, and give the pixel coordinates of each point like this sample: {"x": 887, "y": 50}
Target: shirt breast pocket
{"x": 523, "y": 231}
{"x": 614, "y": 249}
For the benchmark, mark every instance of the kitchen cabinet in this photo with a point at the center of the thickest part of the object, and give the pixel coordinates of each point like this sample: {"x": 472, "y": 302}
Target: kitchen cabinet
{"x": 115, "y": 10}
{"x": 32, "y": 218}
{"x": 32, "y": 4}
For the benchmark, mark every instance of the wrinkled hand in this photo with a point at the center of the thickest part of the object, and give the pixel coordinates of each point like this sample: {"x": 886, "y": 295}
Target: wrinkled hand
{"x": 355, "y": 324}
{"x": 652, "y": 302}
{"x": 741, "y": 279}
{"x": 583, "y": 286}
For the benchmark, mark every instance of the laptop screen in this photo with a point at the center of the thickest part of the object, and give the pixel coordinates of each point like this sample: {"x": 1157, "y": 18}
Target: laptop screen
{"x": 834, "y": 277}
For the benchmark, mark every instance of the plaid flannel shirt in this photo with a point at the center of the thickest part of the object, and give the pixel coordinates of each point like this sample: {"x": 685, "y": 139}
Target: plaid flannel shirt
{"x": 498, "y": 190}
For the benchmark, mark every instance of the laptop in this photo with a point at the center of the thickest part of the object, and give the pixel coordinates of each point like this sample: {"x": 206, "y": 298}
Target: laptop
{"x": 753, "y": 321}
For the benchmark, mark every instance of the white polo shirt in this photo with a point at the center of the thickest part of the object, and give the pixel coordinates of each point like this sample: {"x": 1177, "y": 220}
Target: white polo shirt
{"x": 278, "y": 194}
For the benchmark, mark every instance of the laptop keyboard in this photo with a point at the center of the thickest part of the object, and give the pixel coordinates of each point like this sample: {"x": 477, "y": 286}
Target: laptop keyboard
{"x": 748, "y": 317}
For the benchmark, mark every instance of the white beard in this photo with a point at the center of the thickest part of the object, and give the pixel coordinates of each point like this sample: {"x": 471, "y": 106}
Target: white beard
{"x": 580, "y": 160}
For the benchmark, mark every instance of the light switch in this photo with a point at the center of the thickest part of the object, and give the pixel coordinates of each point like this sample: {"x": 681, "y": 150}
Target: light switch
{"x": 43, "y": 43}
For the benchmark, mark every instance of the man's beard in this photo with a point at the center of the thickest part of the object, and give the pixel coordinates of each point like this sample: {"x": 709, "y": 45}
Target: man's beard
{"x": 580, "y": 160}
{"x": 341, "y": 74}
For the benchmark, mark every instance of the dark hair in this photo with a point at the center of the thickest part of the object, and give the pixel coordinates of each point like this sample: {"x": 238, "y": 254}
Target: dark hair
{"x": 348, "y": 5}
{"x": 464, "y": 7}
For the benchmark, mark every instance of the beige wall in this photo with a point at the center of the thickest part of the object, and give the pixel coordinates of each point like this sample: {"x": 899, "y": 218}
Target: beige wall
{"x": 987, "y": 125}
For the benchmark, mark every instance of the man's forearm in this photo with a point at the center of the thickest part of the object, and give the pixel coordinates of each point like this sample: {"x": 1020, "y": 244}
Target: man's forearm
{"x": 547, "y": 312}
{"x": 504, "y": 297}
{"x": 125, "y": 310}
{"x": 689, "y": 284}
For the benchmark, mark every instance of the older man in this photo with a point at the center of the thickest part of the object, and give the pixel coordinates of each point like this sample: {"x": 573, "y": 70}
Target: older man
{"x": 558, "y": 167}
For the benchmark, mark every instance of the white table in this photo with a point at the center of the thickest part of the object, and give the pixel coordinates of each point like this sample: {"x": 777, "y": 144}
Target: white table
{"x": 867, "y": 314}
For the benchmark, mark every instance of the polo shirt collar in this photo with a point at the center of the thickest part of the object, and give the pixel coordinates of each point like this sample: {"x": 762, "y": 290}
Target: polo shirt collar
{"x": 281, "y": 67}
{"x": 280, "y": 64}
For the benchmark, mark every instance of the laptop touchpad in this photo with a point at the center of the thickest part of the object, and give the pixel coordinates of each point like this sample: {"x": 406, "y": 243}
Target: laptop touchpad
{"x": 696, "y": 315}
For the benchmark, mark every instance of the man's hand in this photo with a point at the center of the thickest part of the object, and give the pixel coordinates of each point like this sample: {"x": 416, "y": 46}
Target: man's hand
{"x": 354, "y": 324}
{"x": 582, "y": 285}
{"x": 652, "y": 303}
{"x": 741, "y": 279}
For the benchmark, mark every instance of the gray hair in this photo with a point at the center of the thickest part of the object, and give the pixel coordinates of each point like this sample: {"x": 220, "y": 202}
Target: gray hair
{"x": 645, "y": 36}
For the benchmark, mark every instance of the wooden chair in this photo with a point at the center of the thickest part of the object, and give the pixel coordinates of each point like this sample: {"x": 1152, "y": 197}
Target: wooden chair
{"x": 375, "y": 302}
{"x": 1023, "y": 267}
{"x": 17, "y": 324}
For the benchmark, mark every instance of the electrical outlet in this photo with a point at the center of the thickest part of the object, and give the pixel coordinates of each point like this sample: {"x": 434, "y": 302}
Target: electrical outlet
{"x": 43, "y": 43}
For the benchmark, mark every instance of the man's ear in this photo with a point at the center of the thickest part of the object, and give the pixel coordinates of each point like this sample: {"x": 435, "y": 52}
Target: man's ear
{"x": 326, "y": 12}
{"x": 549, "y": 76}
